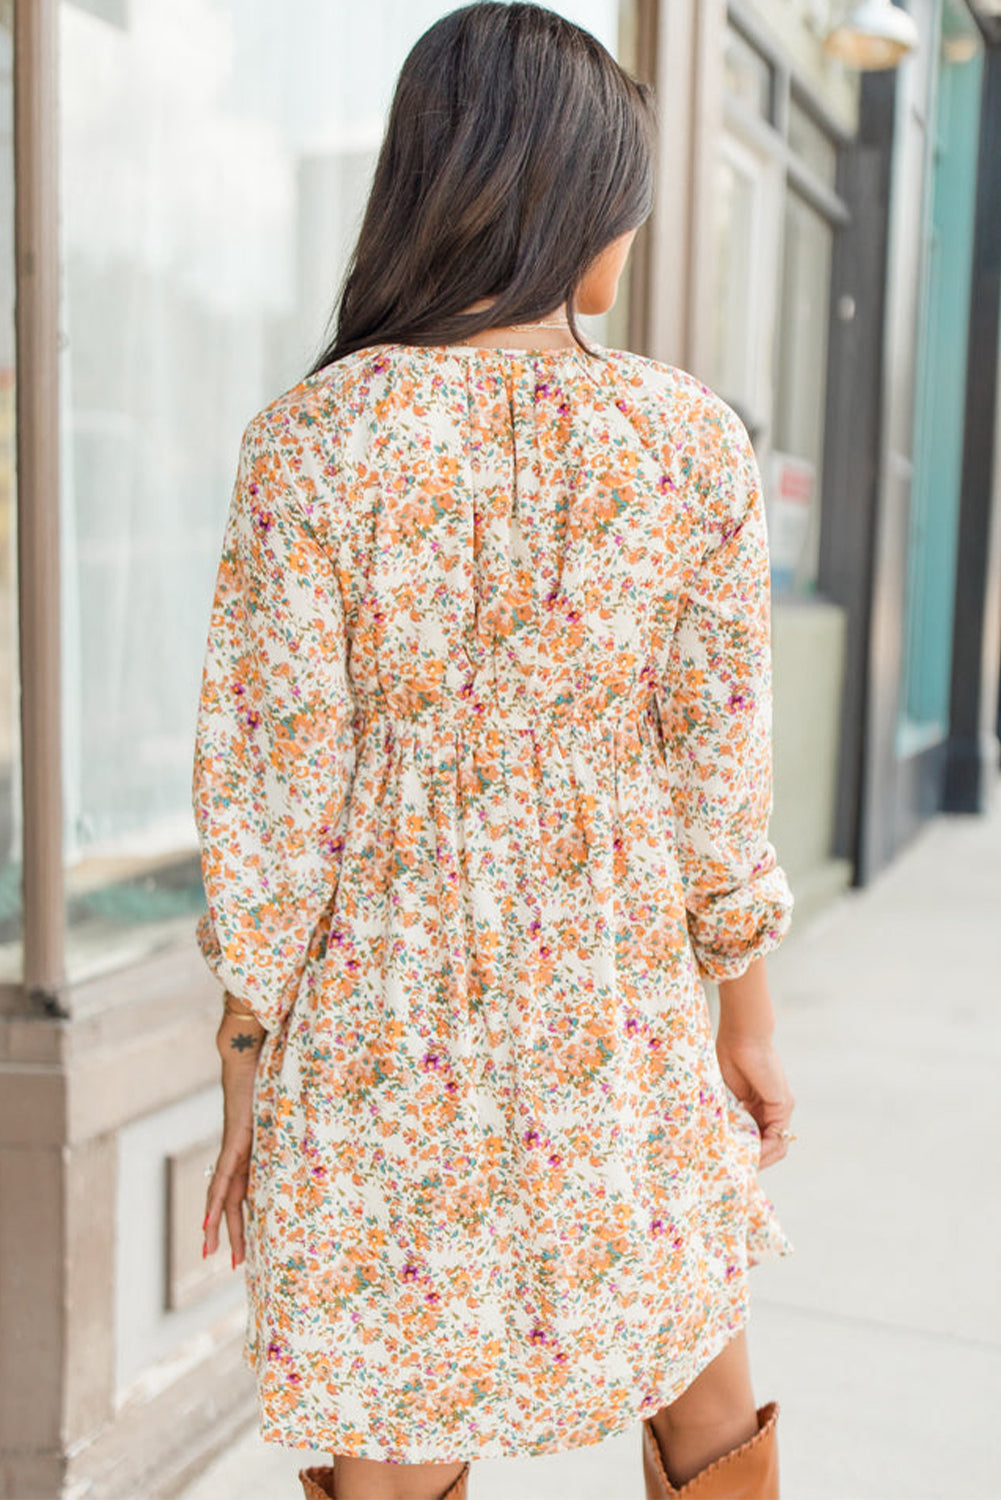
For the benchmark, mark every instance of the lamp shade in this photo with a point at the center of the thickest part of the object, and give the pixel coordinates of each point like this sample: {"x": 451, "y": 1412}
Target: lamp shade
{"x": 873, "y": 34}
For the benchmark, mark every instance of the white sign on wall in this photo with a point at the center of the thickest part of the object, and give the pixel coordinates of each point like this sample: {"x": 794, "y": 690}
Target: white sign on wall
{"x": 789, "y": 502}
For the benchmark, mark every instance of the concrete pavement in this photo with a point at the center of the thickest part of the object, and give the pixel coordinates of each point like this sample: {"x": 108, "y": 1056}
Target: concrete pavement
{"x": 881, "y": 1336}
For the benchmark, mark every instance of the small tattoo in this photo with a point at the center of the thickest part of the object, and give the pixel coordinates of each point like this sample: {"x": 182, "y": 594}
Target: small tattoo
{"x": 244, "y": 1040}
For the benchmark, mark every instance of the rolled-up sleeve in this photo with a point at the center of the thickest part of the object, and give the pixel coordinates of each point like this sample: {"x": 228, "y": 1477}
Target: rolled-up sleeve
{"x": 715, "y": 708}
{"x": 274, "y": 745}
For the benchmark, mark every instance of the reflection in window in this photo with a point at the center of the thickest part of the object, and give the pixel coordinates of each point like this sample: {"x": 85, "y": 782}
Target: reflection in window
{"x": 800, "y": 392}
{"x": 747, "y": 75}
{"x": 216, "y": 155}
{"x": 812, "y": 144}
{"x": 10, "y": 823}
{"x": 732, "y": 351}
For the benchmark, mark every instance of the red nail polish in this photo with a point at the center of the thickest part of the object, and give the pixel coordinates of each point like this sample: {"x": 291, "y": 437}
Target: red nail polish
{"x": 234, "y": 1262}
{"x": 205, "y": 1222}
{"x": 205, "y": 1251}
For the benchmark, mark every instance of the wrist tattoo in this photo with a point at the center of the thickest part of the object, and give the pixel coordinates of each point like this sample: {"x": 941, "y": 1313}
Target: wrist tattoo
{"x": 243, "y": 1040}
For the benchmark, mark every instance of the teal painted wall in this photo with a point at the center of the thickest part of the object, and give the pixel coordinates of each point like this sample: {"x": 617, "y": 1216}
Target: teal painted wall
{"x": 941, "y": 389}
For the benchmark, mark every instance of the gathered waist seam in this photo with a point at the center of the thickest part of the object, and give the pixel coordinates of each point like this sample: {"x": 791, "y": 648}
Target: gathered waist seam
{"x": 374, "y": 715}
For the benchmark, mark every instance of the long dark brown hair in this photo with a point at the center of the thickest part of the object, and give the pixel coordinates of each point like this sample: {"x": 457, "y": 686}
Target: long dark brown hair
{"x": 516, "y": 150}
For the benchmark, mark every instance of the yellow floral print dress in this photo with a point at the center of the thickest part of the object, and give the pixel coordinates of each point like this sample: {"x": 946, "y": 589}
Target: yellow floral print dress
{"x": 482, "y": 782}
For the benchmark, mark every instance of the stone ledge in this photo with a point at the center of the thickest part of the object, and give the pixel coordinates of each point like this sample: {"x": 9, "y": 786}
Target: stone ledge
{"x": 138, "y": 1453}
{"x": 138, "y": 1039}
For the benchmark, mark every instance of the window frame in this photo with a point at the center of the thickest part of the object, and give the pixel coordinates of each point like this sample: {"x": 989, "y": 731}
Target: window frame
{"x": 37, "y": 355}
{"x": 769, "y": 139}
{"x": 46, "y": 987}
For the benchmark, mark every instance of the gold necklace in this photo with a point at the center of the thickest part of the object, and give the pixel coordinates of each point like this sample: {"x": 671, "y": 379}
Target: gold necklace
{"x": 560, "y": 323}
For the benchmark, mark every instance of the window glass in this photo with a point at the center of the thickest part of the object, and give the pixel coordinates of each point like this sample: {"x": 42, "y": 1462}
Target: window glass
{"x": 812, "y": 144}
{"x": 749, "y": 189}
{"x": 215, "y": 158}
{"x": 10, "y": 815}
{"x": 798, "y": 447}
{"x": 772, "y": 268}
{"x": 736, "y": 192}
{"x": 940, "y": 386}
{"x": 747, "y": 76}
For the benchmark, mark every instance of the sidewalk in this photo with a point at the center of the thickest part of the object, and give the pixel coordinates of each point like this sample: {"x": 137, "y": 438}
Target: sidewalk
{"x": 881, "y": 1336}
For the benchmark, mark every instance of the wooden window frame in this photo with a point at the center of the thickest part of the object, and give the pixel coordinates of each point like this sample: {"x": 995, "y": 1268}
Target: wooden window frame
{"x": 37, "y": 276}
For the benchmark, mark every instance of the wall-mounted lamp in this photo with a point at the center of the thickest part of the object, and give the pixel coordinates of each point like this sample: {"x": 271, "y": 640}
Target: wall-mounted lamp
{"x": 962, "y": 48}
{"x": 873, "y": 34}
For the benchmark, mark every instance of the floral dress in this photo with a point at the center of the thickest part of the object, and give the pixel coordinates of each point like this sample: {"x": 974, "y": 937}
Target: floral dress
{"x": 482, "y": 782}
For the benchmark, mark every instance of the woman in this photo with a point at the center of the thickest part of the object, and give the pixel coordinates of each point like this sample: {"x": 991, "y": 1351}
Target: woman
{"x": 482, "y": 780}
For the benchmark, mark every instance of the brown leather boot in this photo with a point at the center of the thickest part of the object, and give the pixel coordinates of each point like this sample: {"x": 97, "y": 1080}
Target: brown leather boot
{"x": 750, "y": 1472}
{"x": 318, "y": 1484}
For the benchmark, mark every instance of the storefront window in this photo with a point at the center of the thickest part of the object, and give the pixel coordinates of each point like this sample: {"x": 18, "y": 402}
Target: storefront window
{"x": 811, "y": 143}
{"x": 771, "y": 309}
{"x": 734, "y": 238}
{"x": 748, "y": 186}
{"x": 747, "y": 75}
{"x": 800, "y": 389}
{"x": 10, "y": 821}
{"x": 216, "y": 155}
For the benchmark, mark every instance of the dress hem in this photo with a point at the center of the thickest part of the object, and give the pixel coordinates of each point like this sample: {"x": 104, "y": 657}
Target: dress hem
{"x": 665, "y": 1395}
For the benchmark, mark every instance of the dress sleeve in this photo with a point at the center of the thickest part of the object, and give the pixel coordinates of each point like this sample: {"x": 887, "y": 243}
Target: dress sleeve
{"x": 274, "y": 743}
{"x": 715, "y": 707}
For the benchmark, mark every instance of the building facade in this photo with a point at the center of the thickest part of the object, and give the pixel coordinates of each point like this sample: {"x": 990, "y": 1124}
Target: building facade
{"x": 925, "y": 537}
{"x": 775, "y": 118}
{"x": 180, "y": 181}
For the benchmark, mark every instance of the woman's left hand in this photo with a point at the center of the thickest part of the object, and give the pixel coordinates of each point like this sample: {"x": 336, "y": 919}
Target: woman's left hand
{"x": 239, "y": 1042}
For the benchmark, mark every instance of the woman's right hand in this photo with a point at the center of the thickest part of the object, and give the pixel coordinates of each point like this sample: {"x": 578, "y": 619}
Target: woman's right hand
{"x": 751, "y": 1067}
